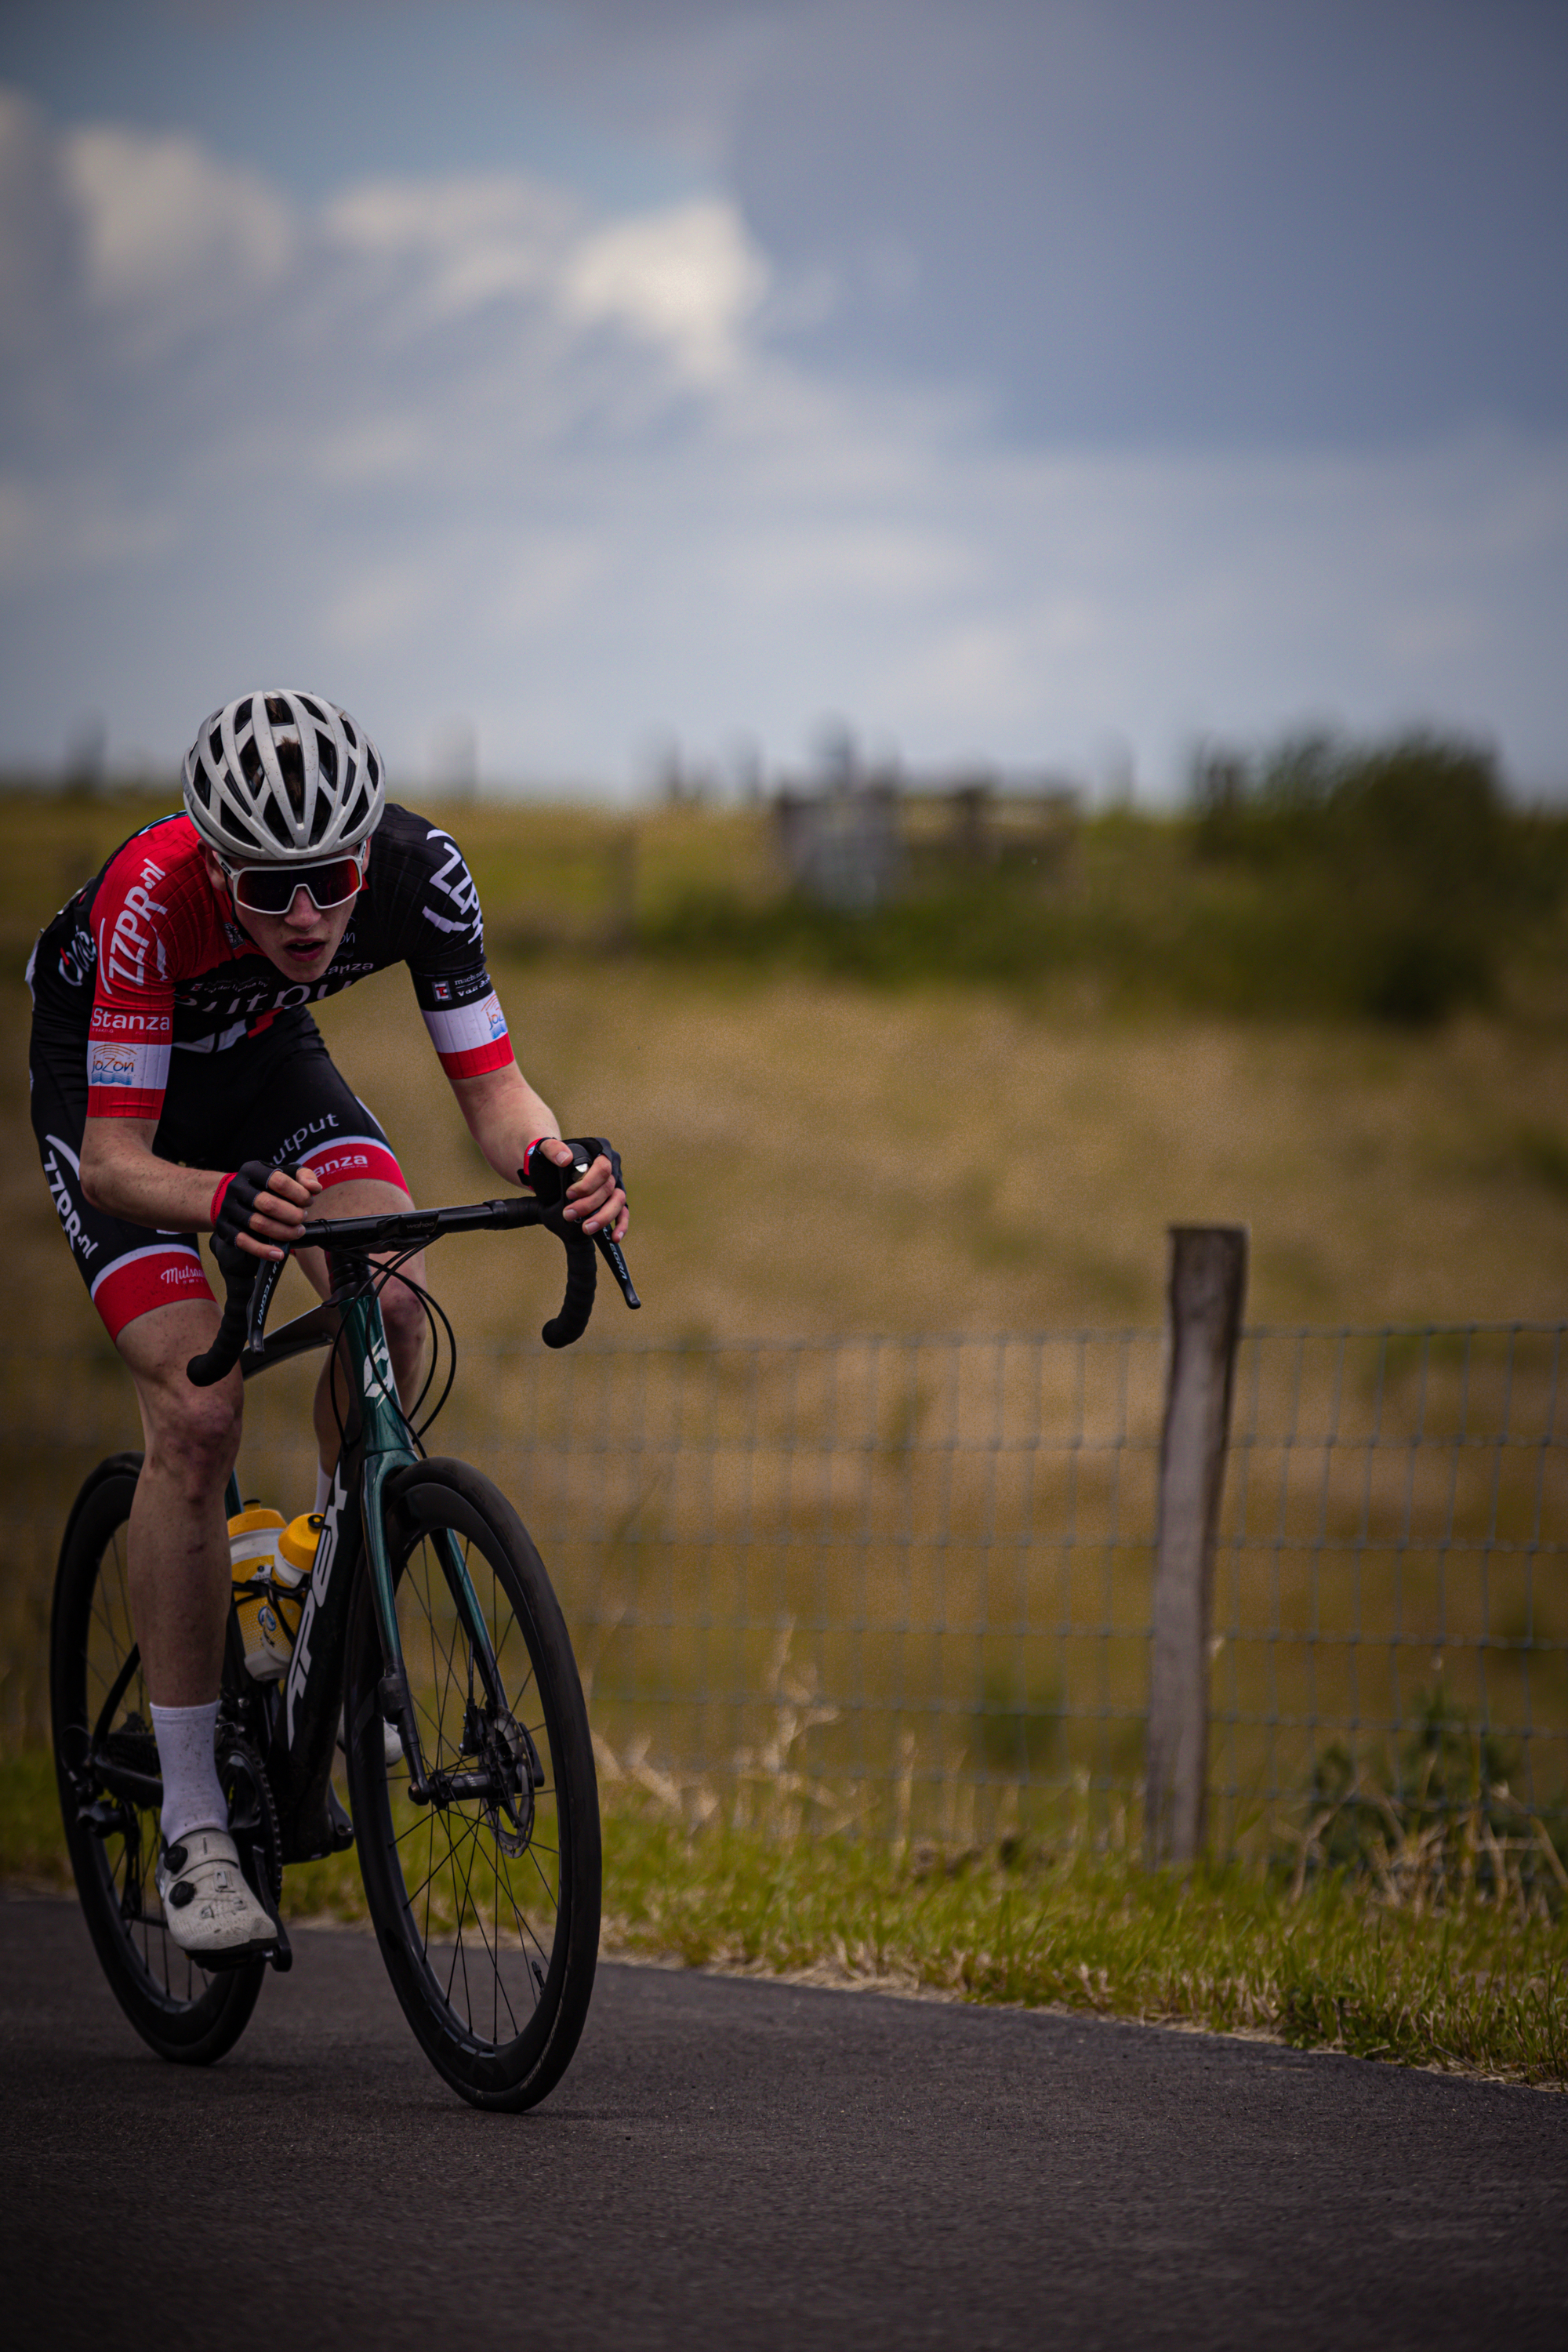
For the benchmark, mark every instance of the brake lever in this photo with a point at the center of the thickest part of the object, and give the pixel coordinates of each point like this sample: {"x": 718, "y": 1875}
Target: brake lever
{"x": 608, "y": 1247}
{"x": 261, "y": 1291}
{"x": 610, "y": 1251}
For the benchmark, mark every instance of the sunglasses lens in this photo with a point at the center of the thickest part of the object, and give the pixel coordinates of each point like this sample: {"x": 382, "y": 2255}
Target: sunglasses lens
{"x": 331, "y": 884}
{"x": 264, "y": 890}
{"x": 269, "y": 889}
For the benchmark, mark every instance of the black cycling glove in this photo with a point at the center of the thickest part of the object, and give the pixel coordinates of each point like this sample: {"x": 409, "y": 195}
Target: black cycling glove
{"x": 235, "y": 1202}
{"x": 550, "y": 1183}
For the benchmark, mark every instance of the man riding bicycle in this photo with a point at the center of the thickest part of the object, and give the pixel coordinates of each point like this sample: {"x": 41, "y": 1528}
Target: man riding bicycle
{"x": 179, "y": 1085}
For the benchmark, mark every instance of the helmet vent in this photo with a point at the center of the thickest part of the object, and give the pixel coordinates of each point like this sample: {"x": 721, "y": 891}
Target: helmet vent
{"x": 283, "y": 776}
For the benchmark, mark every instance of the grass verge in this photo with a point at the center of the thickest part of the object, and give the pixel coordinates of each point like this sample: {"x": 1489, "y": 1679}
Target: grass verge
{"x": 1478, "y": 1983}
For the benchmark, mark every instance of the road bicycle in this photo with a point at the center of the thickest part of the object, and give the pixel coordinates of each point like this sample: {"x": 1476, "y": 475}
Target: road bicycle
{"x": 430, "y": 1646}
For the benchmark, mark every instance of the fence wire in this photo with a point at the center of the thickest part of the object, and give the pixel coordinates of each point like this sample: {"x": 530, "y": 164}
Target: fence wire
{"x": 905, "y": 1583}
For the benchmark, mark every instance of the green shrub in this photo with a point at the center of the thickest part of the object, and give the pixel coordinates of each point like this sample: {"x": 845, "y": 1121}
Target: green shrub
{"x": 1442, "y": 1819}
{"x": 1400, "y": 873}
{"x": 1392, "y": 884}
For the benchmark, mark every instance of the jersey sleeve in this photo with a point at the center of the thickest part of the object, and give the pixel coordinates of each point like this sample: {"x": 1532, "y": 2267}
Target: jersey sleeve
{"x": 131, "y": 1028}
{"x": 446, "y": 960}
{"x": 467, "y": 1025}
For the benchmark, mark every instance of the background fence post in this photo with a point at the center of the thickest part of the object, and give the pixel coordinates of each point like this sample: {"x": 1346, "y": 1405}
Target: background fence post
{"x": 1207, "y": 1291}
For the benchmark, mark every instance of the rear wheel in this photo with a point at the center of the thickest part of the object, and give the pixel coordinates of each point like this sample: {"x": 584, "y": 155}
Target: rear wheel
{"x": 107, "y": 1763}
{"x": 486, "y": 1898}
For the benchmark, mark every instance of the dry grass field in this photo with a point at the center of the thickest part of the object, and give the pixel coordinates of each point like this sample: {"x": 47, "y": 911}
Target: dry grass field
{"x": 809, "y": 1157}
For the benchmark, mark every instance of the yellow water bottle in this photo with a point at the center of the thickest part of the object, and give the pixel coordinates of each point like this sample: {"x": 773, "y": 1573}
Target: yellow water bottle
{"x": 291, "y": 1569}
{"x": 267, "y": 1599}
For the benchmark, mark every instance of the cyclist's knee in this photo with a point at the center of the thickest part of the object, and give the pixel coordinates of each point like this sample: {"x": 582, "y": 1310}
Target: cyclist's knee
{"x": 194, "y": 1436}
{"x": 404, "y": 1315}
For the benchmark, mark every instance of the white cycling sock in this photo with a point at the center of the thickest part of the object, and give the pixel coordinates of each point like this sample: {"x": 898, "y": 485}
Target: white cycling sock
{"x": 323, "y": 1488}
{"x": 192, "y": 1797}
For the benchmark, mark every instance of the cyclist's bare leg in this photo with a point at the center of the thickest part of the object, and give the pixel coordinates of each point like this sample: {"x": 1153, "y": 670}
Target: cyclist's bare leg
{"x": 178, "y": 1563}
{"x": 400, "y": 1309}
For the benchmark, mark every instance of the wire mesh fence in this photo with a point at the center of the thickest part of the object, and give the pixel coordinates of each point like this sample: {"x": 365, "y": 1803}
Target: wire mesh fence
{"x": 906, "y": 1583}
{"x": 1390, "y": 1586}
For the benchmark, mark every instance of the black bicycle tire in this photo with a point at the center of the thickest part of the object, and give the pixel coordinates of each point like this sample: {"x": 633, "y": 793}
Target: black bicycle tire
{"x": 519, "y": 2071}
{"x": 190, "y": 2032}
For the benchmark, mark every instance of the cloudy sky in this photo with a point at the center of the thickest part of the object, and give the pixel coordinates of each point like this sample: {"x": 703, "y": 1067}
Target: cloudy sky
{"x": 1045, "y": 383}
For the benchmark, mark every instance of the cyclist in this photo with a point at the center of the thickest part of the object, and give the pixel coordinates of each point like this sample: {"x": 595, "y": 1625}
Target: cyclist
{"x": 179, "y": 1085}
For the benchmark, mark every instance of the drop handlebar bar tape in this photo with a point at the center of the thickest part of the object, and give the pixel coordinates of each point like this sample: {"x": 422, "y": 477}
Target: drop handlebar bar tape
{"x": 551, "y": 1185}
{"x": 582, "y": 1278}
{"x": 234, "y": 1204}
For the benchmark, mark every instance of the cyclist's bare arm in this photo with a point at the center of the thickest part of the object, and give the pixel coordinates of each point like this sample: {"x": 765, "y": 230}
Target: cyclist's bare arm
{"x": 505, "y": 1116}
{"x": 123, "y": 1174}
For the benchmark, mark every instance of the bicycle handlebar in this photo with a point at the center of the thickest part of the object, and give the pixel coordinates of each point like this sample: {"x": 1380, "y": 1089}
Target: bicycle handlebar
{"x": 250, "y": 1282}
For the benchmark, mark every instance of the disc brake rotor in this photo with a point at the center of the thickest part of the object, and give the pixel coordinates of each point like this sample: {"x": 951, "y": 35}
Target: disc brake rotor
{"x": 511, "y": 1821}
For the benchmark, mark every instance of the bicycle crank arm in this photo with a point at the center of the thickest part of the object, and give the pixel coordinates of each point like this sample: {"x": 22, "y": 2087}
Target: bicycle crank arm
{"x": 121, "y": 1781}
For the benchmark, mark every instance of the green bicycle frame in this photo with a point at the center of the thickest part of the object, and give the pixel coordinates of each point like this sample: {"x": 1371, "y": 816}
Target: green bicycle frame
{"x": 377, "y": 1452}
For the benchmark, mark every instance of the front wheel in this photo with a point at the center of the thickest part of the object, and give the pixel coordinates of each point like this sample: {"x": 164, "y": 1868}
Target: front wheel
{"x": 110, "y": 1792}
{"x": 486, "y": 1898}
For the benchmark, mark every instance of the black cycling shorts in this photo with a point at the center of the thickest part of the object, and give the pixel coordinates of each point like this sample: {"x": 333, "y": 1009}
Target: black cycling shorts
{"x": 278, "y": 1098}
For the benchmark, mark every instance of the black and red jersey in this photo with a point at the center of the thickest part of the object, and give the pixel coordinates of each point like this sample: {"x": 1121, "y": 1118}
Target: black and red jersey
{"x": 156, "y": 964}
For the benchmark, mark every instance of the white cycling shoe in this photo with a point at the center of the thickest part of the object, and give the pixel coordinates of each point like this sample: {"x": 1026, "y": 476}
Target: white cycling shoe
{"x": 209, "y": 1908}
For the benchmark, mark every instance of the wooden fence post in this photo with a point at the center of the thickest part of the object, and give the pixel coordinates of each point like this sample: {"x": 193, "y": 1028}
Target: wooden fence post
{"x": 1208, "y": 1292}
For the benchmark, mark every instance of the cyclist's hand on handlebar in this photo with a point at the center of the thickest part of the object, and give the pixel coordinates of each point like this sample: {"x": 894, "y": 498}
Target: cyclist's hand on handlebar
{"x": 259, "y": 1208}
{"x": 597, "y": 1200}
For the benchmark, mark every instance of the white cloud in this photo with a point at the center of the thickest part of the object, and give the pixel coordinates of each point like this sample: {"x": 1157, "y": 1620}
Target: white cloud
{"x": 689, "y": 277}
{"x": 684, "y": 280}
{"x": 474, "y": 241}
{"x": 164, "y": 221}
{"x": 450, "y": 446}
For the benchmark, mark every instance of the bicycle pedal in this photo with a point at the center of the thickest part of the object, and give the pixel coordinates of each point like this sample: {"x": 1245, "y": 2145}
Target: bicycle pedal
{"x": 282, "y": 1955}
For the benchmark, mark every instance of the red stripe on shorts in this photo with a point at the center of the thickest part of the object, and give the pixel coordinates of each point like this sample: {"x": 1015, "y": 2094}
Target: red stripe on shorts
{"x": 354, "y": 1160}
{"x": 163, "y": 1276}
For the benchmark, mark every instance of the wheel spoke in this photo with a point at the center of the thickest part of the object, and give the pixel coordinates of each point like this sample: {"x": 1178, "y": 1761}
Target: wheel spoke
{"x": 478, "y": 1892}
{"x": 174, "y": 2004}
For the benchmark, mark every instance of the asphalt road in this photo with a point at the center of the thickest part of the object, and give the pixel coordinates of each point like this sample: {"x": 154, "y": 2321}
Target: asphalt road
{"x": 743, "y": 2163}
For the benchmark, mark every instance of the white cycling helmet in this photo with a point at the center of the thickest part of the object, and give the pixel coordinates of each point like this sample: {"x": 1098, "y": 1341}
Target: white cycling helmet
{"x": 284, "y": 778}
